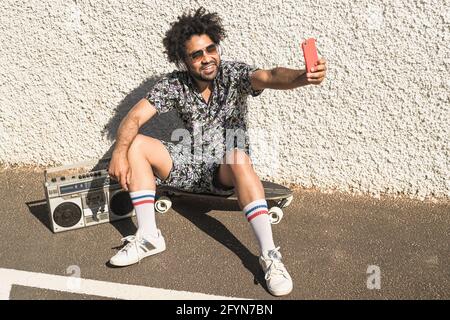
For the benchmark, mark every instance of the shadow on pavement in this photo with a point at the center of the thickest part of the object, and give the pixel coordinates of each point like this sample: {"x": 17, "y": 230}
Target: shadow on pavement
{"x": 39, "y": 210}
{"x": 216, "y": 230}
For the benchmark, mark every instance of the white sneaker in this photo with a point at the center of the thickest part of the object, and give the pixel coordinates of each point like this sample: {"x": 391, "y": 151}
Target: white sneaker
{"x": 278, "y": 280}
{"x": 137, "y": 249}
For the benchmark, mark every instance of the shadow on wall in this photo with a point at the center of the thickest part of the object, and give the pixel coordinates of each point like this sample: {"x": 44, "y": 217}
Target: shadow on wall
{"x": 159, "y": 127}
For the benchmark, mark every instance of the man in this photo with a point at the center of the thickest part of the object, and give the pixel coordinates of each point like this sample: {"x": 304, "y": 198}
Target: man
{"x": 212, "y": 93}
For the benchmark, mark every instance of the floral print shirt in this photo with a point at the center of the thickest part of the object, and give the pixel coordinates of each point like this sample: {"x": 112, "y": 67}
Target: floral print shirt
{"x": 207, "y": 122}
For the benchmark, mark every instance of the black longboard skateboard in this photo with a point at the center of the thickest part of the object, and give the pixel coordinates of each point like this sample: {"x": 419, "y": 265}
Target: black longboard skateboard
{"x": 280, "y": 195}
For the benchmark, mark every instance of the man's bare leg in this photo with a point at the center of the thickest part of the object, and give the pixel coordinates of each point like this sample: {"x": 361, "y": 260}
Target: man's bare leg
{"x": 237, "y": 171}
{"x": 146, "y": 156}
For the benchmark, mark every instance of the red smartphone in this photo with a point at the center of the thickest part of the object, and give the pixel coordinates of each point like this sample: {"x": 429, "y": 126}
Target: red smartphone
{"x": 310, "y": 53}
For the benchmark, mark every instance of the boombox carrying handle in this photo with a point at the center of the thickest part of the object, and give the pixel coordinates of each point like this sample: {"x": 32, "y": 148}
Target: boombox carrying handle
{"x": 75, "y": 165}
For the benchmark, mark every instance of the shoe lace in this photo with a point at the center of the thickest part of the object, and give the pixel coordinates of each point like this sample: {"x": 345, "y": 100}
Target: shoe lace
{"x": 276, "y": 267}
{"x": 132, "y": 241}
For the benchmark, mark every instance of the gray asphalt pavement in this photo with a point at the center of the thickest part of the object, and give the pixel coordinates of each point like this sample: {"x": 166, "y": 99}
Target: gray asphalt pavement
{"x": 328, "y": 242}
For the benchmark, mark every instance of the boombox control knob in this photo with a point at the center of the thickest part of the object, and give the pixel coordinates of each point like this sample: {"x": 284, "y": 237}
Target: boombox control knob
{"x": 63, "y": 178}
{"x": 53, "y": 179}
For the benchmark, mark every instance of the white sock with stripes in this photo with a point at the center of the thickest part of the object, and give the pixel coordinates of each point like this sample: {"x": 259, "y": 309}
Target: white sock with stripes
{"x": 144, "y": 204}
{"x": 258, "y": 216}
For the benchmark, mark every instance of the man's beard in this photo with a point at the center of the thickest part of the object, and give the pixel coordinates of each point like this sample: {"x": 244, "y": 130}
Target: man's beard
{"x": 199, "y": 77}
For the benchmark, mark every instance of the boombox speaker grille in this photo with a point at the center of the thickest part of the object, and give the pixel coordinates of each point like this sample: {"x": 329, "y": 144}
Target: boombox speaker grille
{"x": 121, "y": 204}
{"x": 67, "y": 214}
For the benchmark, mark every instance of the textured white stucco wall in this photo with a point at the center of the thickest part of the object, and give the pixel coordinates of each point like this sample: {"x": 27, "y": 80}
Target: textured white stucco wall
{"x": 70, "y": 70}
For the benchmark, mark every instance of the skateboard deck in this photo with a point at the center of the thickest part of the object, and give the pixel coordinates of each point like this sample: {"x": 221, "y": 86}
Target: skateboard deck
{"x": 272, "y": 191}
{"x": 281, "y": 195}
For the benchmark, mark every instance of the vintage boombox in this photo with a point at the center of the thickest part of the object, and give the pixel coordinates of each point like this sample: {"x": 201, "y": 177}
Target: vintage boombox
{"x": 83, "y": 194}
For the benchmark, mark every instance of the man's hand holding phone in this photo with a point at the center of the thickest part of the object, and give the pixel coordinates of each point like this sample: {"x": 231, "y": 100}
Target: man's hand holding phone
{"x": 317, "y": 73}
{"x": 315, "y": 67}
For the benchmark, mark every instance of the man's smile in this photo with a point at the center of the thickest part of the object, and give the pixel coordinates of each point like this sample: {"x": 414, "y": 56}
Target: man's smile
{"x": 209, "y": 68}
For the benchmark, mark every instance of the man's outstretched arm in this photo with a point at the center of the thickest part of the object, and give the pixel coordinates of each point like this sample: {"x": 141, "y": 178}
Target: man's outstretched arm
{"x": 283, "y": 78}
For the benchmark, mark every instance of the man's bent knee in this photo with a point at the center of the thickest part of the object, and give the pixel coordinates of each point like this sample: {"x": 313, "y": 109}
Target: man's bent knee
{"x": 237, "y": 156}
{"x": 137, "y": 146}
{"x": 154, "y": 152}
{"x": 239, "y": 163}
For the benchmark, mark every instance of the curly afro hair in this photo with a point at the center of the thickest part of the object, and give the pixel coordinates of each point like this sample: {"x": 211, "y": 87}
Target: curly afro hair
{"x": 188, "y": 25}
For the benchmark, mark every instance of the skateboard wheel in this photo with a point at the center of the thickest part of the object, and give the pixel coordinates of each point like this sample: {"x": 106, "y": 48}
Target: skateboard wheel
{"x": 285, "y": 202}
{"x": 163, "y": 204}
{"x": 275, "y": 215}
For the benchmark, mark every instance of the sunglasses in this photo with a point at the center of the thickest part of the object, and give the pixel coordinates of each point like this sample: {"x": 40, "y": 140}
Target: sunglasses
{"x": 198, "y": 55}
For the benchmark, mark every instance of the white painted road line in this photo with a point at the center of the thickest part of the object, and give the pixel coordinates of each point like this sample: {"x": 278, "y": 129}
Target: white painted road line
{"x": 10, "y": 277}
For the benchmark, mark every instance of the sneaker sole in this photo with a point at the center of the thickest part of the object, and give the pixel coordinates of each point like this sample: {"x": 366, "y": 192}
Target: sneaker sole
{"x": 281, "y": 293}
